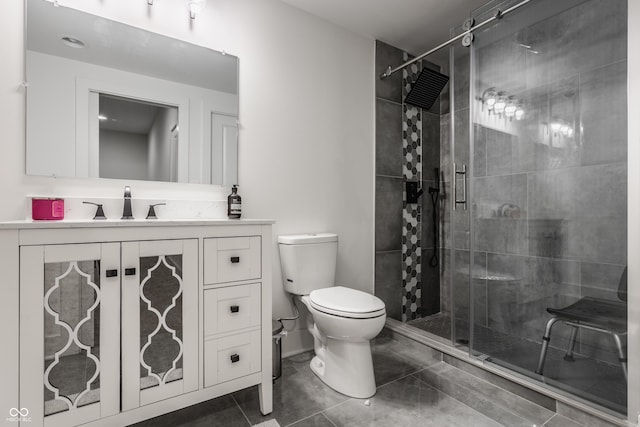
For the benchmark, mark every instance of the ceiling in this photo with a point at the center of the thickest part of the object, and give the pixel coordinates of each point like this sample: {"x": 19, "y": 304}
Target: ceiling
{"x": 415, "y": 26}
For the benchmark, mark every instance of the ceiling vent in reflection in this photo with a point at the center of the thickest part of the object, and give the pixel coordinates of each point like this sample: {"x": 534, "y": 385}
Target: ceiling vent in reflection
{"x": 426, "y": 89}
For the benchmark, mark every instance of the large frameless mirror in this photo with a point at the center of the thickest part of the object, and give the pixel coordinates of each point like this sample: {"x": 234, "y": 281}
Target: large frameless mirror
{"x": 108, "y": 100}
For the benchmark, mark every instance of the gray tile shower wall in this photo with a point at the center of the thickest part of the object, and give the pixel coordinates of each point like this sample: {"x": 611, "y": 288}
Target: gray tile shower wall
{"x": 388, "y": 281}
{"x": 388, "y": 138}
{"x": 388, "y": 213}
{"x": 389, "y": 181}
{"x": 404, "y": 232}
{"x": 391, "y": 87}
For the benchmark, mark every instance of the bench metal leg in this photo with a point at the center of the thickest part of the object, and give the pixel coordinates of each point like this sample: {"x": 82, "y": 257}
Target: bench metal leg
{"x": 572, "y": 344}
{"x": 545, "y": 344}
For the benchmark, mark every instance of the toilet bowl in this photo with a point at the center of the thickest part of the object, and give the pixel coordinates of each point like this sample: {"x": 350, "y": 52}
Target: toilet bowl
{"x": 343, "y": 320}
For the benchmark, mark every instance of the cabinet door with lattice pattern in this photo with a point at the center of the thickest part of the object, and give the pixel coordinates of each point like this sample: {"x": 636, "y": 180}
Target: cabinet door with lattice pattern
{"x": 70, "y": 332}
{"x": 160, "y": 322}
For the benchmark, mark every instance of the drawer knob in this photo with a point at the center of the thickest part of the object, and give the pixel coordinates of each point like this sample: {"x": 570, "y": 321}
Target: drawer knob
{"x": 235, "y": 259}
{"x": 129, "y": 271}
{"x": 234, "y": 308}
{"x": 235, "y": 358}
{"x": 112, "y": 273}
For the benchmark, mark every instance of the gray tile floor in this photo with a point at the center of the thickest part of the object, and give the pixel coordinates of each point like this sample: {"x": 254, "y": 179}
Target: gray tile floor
{"x": 415, "y": 387}
{"x": 599, "y": 382}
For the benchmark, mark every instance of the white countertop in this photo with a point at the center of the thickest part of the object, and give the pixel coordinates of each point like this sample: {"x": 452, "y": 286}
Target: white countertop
{"x": 31, "y": 224}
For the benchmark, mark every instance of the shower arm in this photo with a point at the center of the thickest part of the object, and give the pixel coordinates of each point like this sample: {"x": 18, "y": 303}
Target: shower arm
{"x": 498, "y": 15}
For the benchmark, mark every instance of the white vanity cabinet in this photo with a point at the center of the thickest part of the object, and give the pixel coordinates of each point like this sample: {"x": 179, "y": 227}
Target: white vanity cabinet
{"x": 232, "y": 309}
{"x": 120, "y": 322}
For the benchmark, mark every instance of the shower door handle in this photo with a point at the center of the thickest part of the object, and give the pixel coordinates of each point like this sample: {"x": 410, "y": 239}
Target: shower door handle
{"x": 462, "y": 172}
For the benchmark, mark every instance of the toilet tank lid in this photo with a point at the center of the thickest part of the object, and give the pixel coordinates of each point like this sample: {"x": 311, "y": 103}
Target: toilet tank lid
{"x": 306, "y": 239}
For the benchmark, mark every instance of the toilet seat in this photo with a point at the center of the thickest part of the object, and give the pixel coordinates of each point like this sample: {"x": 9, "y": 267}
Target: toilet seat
{"x": 346, "y": 302}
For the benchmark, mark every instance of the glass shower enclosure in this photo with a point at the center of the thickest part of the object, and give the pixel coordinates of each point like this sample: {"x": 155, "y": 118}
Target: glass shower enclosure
{"x": 533, "y": 215}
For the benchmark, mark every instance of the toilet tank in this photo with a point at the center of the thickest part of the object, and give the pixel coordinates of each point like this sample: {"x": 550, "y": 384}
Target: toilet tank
{"x": 308, "y": 261}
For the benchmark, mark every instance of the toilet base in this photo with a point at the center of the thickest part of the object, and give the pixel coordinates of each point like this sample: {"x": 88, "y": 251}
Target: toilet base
{"x": 346, "y": 367}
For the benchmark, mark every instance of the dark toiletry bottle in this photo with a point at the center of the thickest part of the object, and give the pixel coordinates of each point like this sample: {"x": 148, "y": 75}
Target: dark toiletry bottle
{"x": 234, "y": 204}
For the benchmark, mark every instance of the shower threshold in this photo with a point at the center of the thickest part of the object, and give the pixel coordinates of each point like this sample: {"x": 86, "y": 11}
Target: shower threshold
{"x": 561, "y": 393}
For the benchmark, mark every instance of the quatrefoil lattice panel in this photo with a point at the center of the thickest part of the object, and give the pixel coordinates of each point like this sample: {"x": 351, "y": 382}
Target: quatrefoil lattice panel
{"x": 72, "y": 362}
{"x": 161, "y": 342}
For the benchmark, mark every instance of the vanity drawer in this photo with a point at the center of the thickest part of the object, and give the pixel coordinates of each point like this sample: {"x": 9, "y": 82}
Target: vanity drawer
{"x": 231, "y": 308}
{"x": 231, "y": 357}
{"x": 230, "y": 259}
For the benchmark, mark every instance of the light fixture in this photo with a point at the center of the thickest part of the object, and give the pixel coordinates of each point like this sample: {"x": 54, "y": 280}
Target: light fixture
{"x": 73, "y": 42}
{"x": 501, "y": 103}
{"x": 195, "y": 7}
{"x": 150, "y": 2}
{"x": 489, "y": 98}
{"x": 510, "y": 108}
{"x": 491, "y": 101}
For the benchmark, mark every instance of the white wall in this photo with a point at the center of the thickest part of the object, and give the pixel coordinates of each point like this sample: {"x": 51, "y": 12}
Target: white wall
{"x": 160, "y": 144}
{"x": 306, "y": 122}
{"x": 123, "y": 154}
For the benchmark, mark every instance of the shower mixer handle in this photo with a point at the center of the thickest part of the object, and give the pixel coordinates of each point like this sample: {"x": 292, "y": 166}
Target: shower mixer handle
{"x": 412, "y": 191}
{"x": 457, "y": 172}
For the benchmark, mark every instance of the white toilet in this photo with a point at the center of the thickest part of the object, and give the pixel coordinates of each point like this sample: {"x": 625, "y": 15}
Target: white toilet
{"x": 344, "y": 319}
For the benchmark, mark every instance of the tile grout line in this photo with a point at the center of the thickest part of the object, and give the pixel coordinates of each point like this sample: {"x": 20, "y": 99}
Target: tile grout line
{"x": 352, "y": 398}
{"x": 494, "y": 385}
{"x": 405, "y": 376}
{"x": 461, "y": 402}
{"x": 518, "y": 396}
{"x": 329, "y": 419}
{"x": 550, "y": 418}
{"x": 317, "y": 413}
{"x": 241, "y": 411}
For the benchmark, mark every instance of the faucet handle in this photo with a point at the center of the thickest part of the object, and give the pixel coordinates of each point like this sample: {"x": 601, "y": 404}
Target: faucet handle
{"x": 99, "y": 212}
{"x": 152, "y": 212}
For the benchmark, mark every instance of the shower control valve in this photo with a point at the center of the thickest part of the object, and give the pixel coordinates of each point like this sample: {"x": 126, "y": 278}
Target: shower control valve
{"x": 412, "y": 191}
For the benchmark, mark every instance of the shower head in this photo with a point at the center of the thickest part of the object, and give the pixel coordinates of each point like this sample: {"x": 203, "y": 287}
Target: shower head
{"x": 426, "y": 89}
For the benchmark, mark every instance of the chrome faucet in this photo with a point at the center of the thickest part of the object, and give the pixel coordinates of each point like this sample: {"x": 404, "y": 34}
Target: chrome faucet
{"x": 126, "y": 212}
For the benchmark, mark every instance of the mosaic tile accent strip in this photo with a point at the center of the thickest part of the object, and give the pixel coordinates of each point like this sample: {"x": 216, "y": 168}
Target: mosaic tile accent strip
{"x": 411, "y": 213}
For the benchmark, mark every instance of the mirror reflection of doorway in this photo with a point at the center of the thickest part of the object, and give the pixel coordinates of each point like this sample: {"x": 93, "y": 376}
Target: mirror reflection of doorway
{"x": 174, "y": 153}
{"x": 137, "y": 139}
